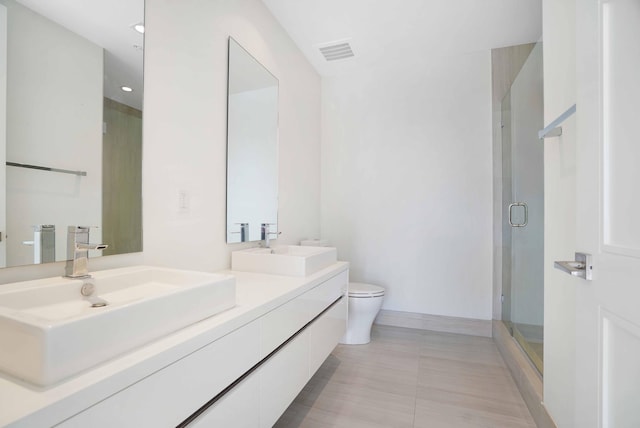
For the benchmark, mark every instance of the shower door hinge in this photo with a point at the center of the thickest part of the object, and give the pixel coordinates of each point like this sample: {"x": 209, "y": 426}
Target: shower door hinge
{"x": 502, "y": 298}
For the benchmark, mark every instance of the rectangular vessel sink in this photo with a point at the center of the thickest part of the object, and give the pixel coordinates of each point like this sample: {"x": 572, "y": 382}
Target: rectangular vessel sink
{"x": 50, "y": 331}
{"x": 290, "y": 260}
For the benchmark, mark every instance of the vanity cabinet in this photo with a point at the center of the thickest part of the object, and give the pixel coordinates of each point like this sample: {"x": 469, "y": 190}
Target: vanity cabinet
{"x": 238, "y": 408}
{"x": 283, "y": 322}
{"x": 170, "y": 395}
{"x": 282, "y": 377}
{"x": 325, "y": 333}
{"x": 244, "y": 379}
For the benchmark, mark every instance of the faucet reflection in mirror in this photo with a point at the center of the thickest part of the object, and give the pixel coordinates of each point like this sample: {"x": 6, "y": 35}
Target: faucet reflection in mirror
{"x": 44, "y": 243}
{"x": 252, "y": 147}
{"x": 243, "y": 232}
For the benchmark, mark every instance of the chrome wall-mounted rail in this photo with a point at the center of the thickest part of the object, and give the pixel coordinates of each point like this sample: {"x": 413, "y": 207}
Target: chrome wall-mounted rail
{"x": 46, "y": 168}
{"x": 553, "y": 129}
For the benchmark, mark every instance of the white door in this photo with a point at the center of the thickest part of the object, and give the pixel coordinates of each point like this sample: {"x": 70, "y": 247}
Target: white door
{"x": 608, "y": 213}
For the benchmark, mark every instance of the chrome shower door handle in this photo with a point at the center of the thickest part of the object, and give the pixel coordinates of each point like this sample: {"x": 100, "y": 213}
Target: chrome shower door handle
{"x": 526, "y": 214}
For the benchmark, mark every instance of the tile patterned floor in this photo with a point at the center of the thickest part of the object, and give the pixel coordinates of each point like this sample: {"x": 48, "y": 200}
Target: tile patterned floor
{"x": 414, "y": 379}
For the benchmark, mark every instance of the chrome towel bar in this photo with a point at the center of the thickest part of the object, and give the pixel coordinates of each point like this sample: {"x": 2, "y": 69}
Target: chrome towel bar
{"x": 46, "y": 168}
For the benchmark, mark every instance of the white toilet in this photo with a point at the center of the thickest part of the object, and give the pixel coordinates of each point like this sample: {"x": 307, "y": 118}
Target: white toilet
{"x": 365, "y": 301}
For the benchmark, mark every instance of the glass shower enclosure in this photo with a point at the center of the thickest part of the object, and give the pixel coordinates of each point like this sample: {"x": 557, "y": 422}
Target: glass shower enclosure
{"x": 523, "y": 205}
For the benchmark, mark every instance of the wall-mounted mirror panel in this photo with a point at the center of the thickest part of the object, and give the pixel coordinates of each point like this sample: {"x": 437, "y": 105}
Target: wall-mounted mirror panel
{"x": 252, "y": 147}
{"x": 70, "y": 136}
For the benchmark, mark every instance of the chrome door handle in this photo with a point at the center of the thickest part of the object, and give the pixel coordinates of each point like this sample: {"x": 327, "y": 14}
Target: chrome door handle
{"x": 582, "y": 266}
{"x": 526, "y": 214}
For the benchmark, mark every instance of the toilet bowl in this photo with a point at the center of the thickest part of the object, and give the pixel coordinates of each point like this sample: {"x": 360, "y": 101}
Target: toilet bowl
{"x": 365, "y": 301}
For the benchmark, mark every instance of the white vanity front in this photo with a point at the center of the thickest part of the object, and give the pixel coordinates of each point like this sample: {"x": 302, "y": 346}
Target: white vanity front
{"x": 240, "y": 368}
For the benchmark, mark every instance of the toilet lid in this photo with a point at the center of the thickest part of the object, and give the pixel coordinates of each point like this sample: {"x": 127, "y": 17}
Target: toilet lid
{"x": 359, "y": 289}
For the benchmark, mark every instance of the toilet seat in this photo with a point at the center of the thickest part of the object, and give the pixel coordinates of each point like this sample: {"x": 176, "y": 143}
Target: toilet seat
{"x": 362, "y": 290}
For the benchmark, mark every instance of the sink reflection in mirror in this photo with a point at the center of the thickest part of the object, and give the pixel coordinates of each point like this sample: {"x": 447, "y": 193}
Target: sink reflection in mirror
{"x": 54, "y": 328}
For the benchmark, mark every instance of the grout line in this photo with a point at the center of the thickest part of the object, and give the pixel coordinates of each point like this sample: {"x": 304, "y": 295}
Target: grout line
{"x": 415, "y": 394}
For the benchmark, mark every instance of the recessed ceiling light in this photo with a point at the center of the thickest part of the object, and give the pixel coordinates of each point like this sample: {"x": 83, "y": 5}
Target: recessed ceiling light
{"x": 139, "y": 27}
{"x": 126, "y": 89}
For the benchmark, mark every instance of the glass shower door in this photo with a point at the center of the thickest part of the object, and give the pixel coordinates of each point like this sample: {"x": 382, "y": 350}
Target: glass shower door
{"x": 523, "y": 204}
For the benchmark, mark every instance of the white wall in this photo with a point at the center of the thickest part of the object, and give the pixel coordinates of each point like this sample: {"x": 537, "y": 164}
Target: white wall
{"x": 185, "y": 128}
{"x": 559, "y": 27}
{"x": 54, "y": 119}
{"x": 407, "y": 181}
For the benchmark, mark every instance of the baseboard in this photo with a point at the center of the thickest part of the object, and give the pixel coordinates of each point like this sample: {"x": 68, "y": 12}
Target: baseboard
{"x": 470, "y": 326}
{"x": 524, "y": 374}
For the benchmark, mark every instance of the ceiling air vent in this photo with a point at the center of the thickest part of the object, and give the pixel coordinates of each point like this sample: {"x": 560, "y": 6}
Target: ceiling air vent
{"x": 336, "y": 51}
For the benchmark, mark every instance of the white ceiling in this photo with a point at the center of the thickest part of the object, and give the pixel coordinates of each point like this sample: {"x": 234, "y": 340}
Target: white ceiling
{"x": 385, "y": 32}
{"x": 107, "y": 23}
{"x": 380, "y": 32}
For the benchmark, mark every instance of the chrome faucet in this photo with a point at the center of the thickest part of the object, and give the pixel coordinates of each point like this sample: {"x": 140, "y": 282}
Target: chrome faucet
{"x": 265, "y": 235}
{"x": 78, "y": 247}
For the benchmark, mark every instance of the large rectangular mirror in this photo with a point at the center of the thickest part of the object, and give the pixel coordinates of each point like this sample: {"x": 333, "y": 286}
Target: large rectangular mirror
{"x": 70, "y": 126}
{"x": 252, "y": 148}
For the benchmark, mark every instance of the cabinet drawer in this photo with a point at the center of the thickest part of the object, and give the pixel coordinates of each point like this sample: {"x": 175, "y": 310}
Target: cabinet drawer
{"x": 172, "y": 394}
{"x": 282, "y": 377}
{"x": 281, "y": 323}
{"x": 320, "y": 297}
{"x": 237, "y": 409}
{"x": 325, "y": 333}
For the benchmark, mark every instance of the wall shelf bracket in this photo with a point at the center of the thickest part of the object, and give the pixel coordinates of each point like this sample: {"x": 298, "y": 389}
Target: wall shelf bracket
{"x": 554, "y": 129}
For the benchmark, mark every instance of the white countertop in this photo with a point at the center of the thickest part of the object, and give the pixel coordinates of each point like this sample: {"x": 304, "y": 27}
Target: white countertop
{"x": 25, "y": 405}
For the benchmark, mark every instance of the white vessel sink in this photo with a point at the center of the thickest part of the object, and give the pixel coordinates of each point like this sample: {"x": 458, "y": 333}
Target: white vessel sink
{"x": 49, "y": 331}
{"x": 290, "y": 260}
